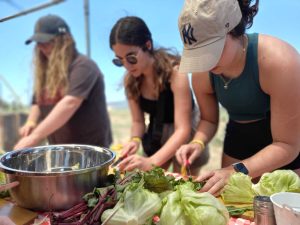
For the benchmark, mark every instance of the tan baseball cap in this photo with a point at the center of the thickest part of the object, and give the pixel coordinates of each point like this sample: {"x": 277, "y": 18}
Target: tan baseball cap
{"x": 203, "y": 25}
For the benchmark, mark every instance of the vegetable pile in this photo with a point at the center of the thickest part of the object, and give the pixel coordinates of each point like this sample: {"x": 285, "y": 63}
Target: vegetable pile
{"x": 93, "y": 205}
{"x": 146, "y": 198}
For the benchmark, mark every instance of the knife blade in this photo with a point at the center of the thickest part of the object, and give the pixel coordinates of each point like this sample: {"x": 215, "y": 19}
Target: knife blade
{"x": 115, "y": 163}
{"x": 188, "y": 168}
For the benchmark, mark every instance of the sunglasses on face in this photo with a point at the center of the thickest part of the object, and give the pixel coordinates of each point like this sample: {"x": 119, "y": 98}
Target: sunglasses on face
{"x": 131, "y": 59}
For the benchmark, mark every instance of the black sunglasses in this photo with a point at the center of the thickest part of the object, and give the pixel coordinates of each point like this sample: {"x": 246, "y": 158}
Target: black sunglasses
{"x": 131, "y": 59}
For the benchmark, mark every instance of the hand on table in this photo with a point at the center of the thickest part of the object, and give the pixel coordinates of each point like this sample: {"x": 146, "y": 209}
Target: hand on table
{"x": 135, "y": 162}
{"x": 215, "y": 180}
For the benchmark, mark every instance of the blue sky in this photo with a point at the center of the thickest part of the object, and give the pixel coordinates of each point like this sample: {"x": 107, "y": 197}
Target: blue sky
{"x": 279, "y": 18}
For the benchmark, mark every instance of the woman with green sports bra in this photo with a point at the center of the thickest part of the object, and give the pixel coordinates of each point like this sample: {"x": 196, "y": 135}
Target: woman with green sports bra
{"x": 255, "y": 77}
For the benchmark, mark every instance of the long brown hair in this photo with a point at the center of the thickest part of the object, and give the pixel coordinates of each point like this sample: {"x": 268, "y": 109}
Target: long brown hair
{"x": 132, "y": 30}
{"x": 163, "y": 65}
{"x": 51, "y": 74}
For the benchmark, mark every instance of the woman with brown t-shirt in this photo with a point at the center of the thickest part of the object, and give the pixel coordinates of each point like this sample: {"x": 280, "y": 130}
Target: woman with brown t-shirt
{"x": 69, "y": 105}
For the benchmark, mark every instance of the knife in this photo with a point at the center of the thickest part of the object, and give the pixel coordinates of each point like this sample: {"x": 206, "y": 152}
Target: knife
{"x": 115, "y": 163}
{"x": 186, "y": 170}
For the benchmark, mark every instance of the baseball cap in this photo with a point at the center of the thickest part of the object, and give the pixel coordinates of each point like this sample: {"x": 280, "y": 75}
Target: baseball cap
{"x": 47, "y": 27}
{"x": 203, "y": 25}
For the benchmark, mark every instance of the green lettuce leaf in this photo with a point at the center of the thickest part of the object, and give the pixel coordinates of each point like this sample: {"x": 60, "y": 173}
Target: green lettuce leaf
{"x": 238, "y": 189}
{"x": 139, "y": 206}
{"x": 185, "y": 206}
{"x": 277, "y": 181}
{"x": 3, "y": 194}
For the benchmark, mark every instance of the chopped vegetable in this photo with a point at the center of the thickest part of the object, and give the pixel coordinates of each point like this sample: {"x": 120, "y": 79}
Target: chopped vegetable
{"x": 238, "y": 211}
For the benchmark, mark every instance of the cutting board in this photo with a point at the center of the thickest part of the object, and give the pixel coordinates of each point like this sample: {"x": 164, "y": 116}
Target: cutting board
{"x": 18, "y": 215}
{"x": 249, "y": 215}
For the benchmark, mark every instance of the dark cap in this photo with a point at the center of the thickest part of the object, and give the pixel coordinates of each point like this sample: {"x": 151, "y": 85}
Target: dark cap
{"x": 47, "y": 27}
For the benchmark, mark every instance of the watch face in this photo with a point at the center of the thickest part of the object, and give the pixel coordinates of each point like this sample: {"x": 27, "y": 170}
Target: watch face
{"x": 240, "y": 167}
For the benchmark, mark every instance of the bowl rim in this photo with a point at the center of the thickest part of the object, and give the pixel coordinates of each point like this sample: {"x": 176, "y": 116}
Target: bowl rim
{"x": 8, "y": 170}
{"x": 274, "y": 196}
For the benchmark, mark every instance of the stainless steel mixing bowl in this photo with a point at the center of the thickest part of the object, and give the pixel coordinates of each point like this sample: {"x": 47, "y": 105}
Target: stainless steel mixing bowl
{"x": 55, "y": 177}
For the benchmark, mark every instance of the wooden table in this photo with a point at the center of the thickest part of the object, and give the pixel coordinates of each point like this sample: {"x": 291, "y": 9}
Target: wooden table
{"x": 18, "y": 215}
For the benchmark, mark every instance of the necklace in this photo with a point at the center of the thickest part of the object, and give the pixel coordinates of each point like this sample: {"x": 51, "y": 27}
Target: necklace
{"x": 225, "y": 80}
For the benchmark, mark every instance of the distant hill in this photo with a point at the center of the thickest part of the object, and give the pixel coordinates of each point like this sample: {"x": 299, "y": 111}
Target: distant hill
{"x": 117, "y": 105}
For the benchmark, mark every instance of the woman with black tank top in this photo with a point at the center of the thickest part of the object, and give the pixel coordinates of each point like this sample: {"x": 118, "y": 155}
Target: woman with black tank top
{"x": 153, "y": 86}
{"x": 255, "y": 77}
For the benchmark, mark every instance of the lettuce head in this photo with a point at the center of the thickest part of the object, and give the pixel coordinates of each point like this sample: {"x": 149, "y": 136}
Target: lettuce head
{"x": 185, "y": 206}
{"x": 277, "y": 181}
{"x": 139, "y": 205}
{"x": 238, "y": 189}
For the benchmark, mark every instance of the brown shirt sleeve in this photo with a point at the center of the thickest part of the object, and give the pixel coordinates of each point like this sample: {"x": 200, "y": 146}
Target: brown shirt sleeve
{"x": 82, "y": 77}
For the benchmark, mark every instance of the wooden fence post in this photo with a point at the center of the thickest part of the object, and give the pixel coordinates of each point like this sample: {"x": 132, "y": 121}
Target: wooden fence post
{"x": 9, "y": 129}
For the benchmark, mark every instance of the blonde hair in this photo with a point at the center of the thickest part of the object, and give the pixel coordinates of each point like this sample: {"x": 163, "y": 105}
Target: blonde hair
{"x": 163, "y": 65}
{"x": 51, "y": 74}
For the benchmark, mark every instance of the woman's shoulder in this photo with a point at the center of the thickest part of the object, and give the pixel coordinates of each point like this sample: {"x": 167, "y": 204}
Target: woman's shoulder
{"x": 276, "y": 58}
{"x": 273, "y": 51}
{"x": 269, "y": 45}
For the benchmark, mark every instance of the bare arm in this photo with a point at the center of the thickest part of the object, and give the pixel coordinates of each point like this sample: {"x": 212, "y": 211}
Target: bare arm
{"x": 137, "y": 117}
{"x": 182, "y": 119}
{"x": 31, "y": 122}
{"x": 34, "y": 113}
{"x": 279, "y": 67}
{"x": 60, "y": 114}
{"x": 209, "y": 115}
{"x": 137, "y": 128}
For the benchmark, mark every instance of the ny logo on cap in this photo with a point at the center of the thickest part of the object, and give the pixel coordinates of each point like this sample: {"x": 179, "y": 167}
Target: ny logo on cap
{"x": 187, "y": 34}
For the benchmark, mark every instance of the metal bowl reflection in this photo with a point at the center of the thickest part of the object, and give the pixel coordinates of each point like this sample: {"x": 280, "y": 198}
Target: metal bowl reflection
{"x": 55, "y": 177}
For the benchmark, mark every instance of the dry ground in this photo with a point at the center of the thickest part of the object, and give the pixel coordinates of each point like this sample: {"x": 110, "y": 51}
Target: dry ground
{"x": 120, "y": 119}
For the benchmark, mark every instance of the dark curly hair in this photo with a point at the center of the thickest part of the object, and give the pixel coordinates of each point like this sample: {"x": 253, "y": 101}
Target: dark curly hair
{"x": 131, "y": 30}
{"x": 248, "y": 12}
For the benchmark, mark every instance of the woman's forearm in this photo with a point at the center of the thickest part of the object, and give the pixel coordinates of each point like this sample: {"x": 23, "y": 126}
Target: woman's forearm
{"x": 205, "y": 131}
{"x": 137, "y": 129}
{"x": 270, "y": 158}
{"x": 60, "y": 114}
{"x": 34, "y": 114}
